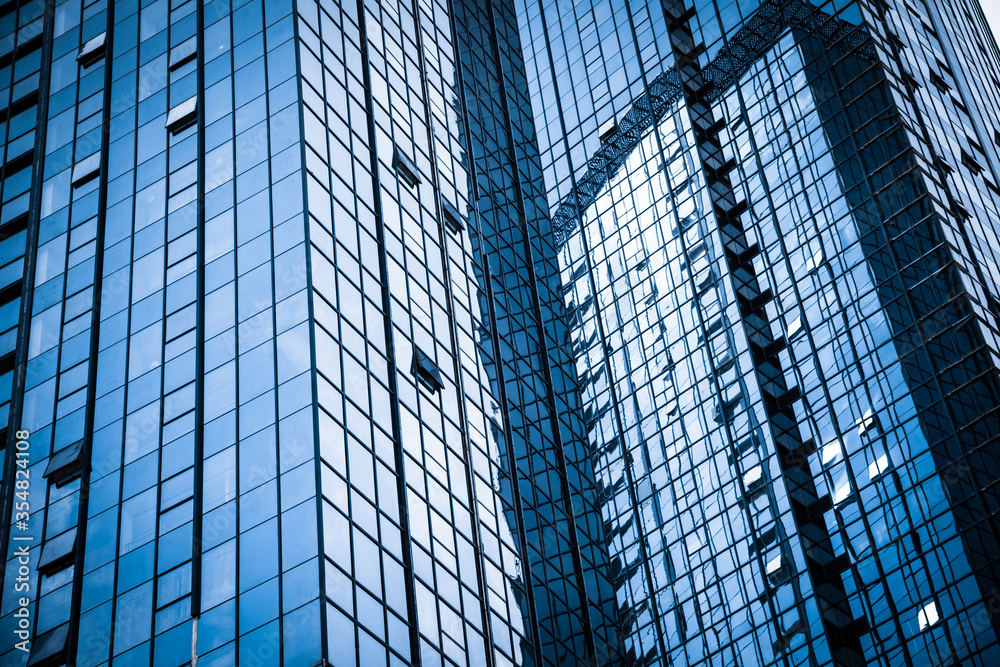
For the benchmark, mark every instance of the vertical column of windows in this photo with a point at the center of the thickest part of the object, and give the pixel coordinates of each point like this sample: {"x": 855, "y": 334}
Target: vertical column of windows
{"x": 571, "y": 487}
{"x": 122, "y": 553}
{"x": 345, "y": 78}
{"x": 222, "y": 521}
{"x": 944, "y": 134}
{"x": 24, "y": 496}
{"x": 177, "y": 64}
{"x": 964, "y": 156}
{"x": 323, "y": 41}
{"x": 260, "y": 571}
{"x": 78, "y": 97}
{"x": 442, "y": 82}
{"x": 429, "y": 431}
{"x": 504, "y": 513}
{"x": 551, "y": 542}
{"x": 517, "y": 364}
{"x": 20, "y": 84}
{"x": 58, "y": 369}
{"x": 511, "y": 595}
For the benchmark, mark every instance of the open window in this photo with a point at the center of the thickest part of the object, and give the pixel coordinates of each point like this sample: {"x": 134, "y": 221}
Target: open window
{"x": 971, "y": 163}
{"x": 405, "y": 167}
{"x": 58, "y": 552}
{"x": 93, "y": 50}
{"x": 452, "y": 218}
{"x": 426, "y": 371}
{"x": 183, "y": 115}
{"x": 86, "y": 170}
{"x": 65, "y": 465}
{"x": 50, "y": 647}
{"x": 183, "y": 53}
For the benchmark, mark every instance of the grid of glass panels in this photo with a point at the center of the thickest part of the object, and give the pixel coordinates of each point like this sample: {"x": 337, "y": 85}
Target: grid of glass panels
{"x": 889, "y": 514}
{"x": 550, "y": 479}
{"x": 21, "y": 56}
{"x": 268, "y": 253}
{"x": 140, "y": 476}
{"x": 946, "y": 58}
{"x": 260, "y": 570}
{"x": 402, "y": 573}
{"x": 677, "y": 429}
{"x": 58, "y": 346}
{"x": 586, "y": 63}
{"x": 403, "y": 276}
{"x": 238, "y": 272}
{"x": 22, "y": 52}
{"x": 791, "y": 176}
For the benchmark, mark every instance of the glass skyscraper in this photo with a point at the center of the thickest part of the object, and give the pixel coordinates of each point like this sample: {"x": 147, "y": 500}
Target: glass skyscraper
{"x": 282, "y": 349}
{"x": 777, "y": 225}
{"x": 499, "y": 333}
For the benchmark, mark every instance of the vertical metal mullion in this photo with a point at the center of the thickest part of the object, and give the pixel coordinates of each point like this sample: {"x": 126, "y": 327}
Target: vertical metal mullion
{"x": 274, "y": 369}
{"x": 199, "y": 401}
{"x": 27, "y": 292}
{"x": 400, "y": 460}
{"x": 313, "y": 362}
{"x": 459, "y": 384}
{"x": 81, "y": 535}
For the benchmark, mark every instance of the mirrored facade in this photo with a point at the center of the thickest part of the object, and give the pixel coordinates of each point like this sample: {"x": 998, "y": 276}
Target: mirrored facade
{"x": 776, "y": 223}
{"x": 499, "y": 333}
{"x": 283, "y": 346}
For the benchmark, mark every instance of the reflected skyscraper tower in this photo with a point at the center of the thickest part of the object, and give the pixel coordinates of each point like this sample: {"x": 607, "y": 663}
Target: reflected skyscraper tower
{"x": 777, "y": 225}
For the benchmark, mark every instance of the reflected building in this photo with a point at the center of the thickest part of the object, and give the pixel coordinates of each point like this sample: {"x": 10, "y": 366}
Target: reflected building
{"x": 777, "y": 225}
{"x": 280, "y": 323}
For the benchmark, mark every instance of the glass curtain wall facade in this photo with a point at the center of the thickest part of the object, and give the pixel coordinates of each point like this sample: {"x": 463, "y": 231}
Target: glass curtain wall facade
{"x": 282, "y": 338}
{"x": 531, "y": 365}
{"x": 777, "y": 224}
{"x": 488, "y": 333}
